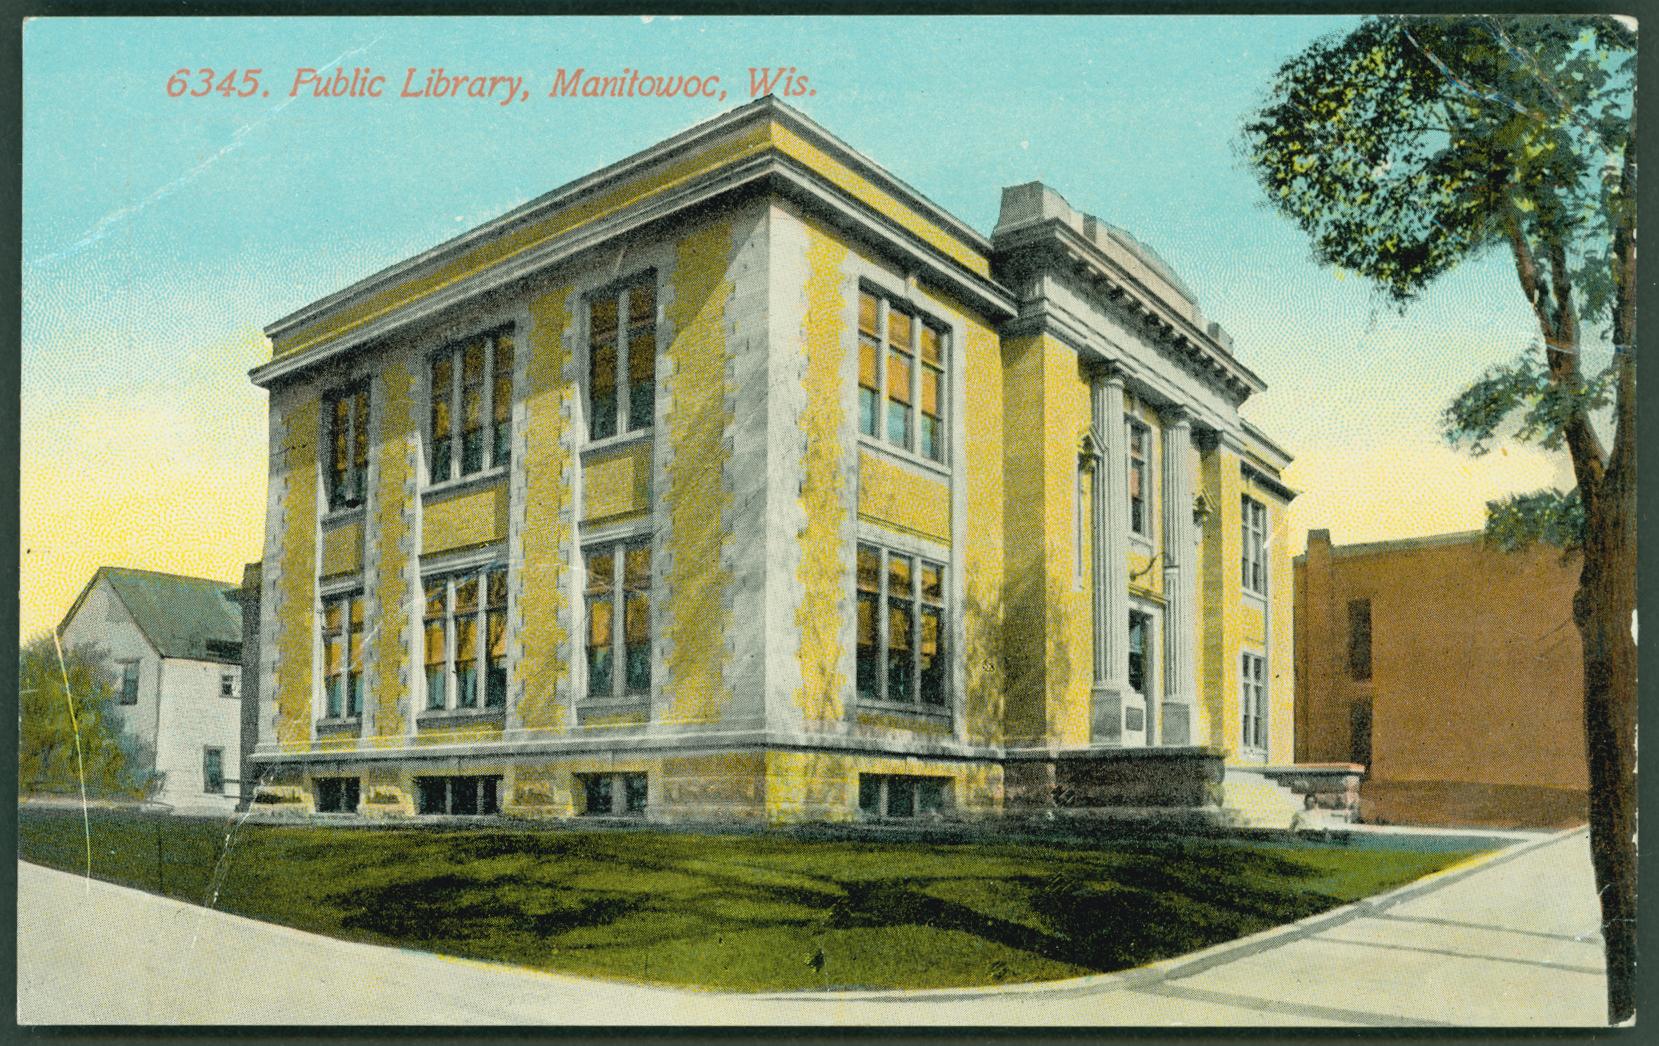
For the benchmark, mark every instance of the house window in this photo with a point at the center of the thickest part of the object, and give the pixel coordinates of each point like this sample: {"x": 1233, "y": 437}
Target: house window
{"x": 1140, "y": 438}
{"x": 901, "y": 377}
{"x": 338, "y": 795}
{"x": 1140, "y": 651}
{"x": 901, "y": 634}
{"x": 463, "y": 796}
{"x": 622, "y": 359}
{"x": 895, "y": 795}
{"x": 343, "y": 654}
{"x": 213, "y": 771}
{"x": 613, "y": 795}
{"x": 472, "y": 406}
{"x": 466, "y": 639}
{"x": 129, "y": 682}
{"x": 619, "y": 605}
{"x": 1253, "y": 700}
{"x": 348, "y": 442}
{"x": 1359, "y": 639}
{"x": 1254, "y": 575}
{"x": 227, "y": 684}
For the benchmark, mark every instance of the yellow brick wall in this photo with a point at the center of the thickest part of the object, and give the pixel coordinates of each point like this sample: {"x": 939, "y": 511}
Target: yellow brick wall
{"x": 343, "y": 549}
{"x": 823, "y": 499}
{"x": 465, "y": 519}
{"x": 617, "y": 486}
{"x": 982, "y": 551}
{"x": 297, "y": 572}
{"x": 543, "y": 651}
{"x": 390, "y": 587}
{"x": 896, "y": 497}
{"x": 697, "y": 496}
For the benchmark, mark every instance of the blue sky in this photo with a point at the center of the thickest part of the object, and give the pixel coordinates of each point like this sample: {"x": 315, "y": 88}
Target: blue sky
{"x": 160, "y": 234}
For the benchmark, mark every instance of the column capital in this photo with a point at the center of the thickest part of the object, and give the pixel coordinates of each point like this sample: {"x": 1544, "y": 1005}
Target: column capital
{"x": 1176, "y": 415}
{"x": 1106, "y": 372}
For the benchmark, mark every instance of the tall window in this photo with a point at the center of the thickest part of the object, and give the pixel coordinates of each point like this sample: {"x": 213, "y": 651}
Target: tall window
{"x": 472, "y": 405}
{"x": 348, "y": 440}
{"x": 1253, "y": 700}
{"x": 213, "y": 770}
{"x": 129, "y": 682}
{"x": 622, "y": 359}
{"x": 901, "y": 644}
{"x": 1359, "y": 639}
{"x": 1140, "y": 438}
{"x": 619, "y": 605}
{"x": 901, "y": 377}
{"x": 1140, "y": 651}
{"x": 1254, "y": 575}
{"x": 343, "y": 654}
{"x": 466, "y": 639}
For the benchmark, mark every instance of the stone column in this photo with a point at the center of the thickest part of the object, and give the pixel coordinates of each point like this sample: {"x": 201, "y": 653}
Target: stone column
{"x": 1110, "y": 548}
{"x": 1180, "y": 581}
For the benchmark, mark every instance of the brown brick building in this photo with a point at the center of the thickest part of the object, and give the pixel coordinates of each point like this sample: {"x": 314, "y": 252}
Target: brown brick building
{"x": 1451, "y": 670}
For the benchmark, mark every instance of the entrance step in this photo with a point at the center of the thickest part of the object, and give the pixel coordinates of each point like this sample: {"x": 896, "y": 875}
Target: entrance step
{"x": 1251, "y": 799}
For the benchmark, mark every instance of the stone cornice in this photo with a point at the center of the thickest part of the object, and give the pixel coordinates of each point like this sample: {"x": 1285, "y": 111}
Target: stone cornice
{"x": 769, "y": 171}
{"x": 1063, "y": 246}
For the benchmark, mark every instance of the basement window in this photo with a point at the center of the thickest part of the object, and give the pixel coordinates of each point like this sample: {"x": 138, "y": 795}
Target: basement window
{"x": 613, "y": 795}
{"x": 337, "y": 795}
{"x": 899, "y": 796}
{"x": 461, "y": 796}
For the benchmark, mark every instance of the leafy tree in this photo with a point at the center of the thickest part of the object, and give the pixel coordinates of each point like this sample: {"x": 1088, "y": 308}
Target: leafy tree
{"x": 1409, "y": 146}
{"x": 48, "y": 758}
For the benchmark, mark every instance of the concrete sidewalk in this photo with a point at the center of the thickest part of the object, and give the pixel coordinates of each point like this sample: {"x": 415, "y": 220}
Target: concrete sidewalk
{"x": 1509, "y": 940}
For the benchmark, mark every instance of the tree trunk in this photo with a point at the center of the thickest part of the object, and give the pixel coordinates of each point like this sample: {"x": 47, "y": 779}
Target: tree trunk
{"x": 1604, "y": 608}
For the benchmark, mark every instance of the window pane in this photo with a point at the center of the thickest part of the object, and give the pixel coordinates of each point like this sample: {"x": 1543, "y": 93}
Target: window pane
{"x": 930, "y": 391}
{"x": 898, "y": 378}
{"x": 597, "y": 789}
{"x": 440, "y": 459}
{"x": 642, "y": 303}
{"x": 1137, "y": 653}
{"x": 900, "y": 669}
{"x": 604, "y": 319}
{"x": 354, "y": 692}
{"x": 472, "y": 363}
{"x": 466, "y": 659}
{"x": 898, "y": 575}
{"x": 869, "y": 314}
{"x": 869, "y": 650}
{"x": 869, "y": 412}
{"x": 898, "y": 424}
{"x": 901, "y": 797}
{"x": 637, "y": 568}
{"x": 602, "y": 391}
{"x": 930, "y": 795}
{"x": 869, "y": 376}
{"x": 869, "y": 794}
{"x": 601, "y": 572}
{"x": 637, "y": 636}
{"x": 898, "y": 330}
{"x": 443, "y": 377}
{"x": 642, "y": 404}
{"x": 932, "y": 350}
{"x": 869, "y": 569}
{"x": 360, "y": 410}
{"x": 495, "y": 691}
{"x": 932, "y": 656}
{"x": 496, "y": 590}
{"x": 933, "y": 583}
{"x": 599, "y": 647}
{"x": 634, "y": 793}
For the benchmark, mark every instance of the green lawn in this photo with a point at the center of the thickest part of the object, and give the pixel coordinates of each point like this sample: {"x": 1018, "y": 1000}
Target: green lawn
{"x": 739, "y": 912}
